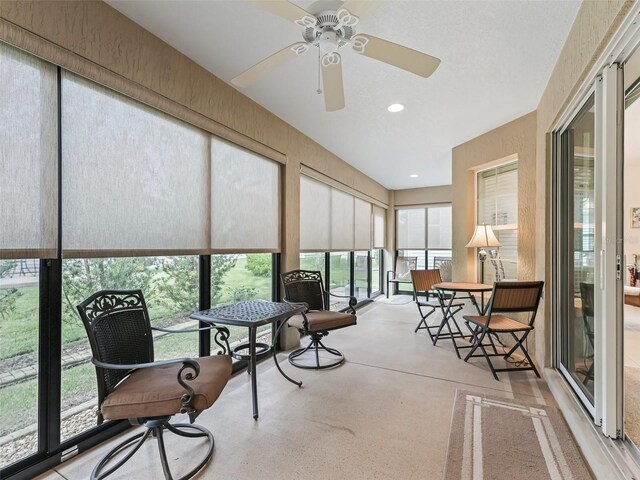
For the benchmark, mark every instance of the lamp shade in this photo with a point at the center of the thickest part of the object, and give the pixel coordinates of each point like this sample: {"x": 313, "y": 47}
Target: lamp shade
{"x": 483, "y": 237}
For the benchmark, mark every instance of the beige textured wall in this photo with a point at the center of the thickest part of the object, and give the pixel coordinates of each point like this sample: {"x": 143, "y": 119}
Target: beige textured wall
{"x": 595, "y": 23}
{"x": 101, "y": 35}
{"x": 516, "y": 138}
{"x": 424, "y": 195}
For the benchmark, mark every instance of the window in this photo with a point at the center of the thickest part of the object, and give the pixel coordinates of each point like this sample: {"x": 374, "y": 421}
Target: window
{"x": 424, "y": 233}
{"x": 497, "y": 203}
{"x": 28, "y": 232}
{"x": 238, "y": 277}
{"x": 146, "y": 200}
{"x": 170, "y": 287}
{"x": 350, "y": 273}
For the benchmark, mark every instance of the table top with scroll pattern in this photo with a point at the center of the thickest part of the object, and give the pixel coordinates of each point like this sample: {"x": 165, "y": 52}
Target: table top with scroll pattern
{"x": 249, "y": 313}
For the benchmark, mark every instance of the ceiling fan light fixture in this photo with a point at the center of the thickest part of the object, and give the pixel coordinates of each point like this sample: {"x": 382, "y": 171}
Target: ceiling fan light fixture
{"x": 395, "y": 107}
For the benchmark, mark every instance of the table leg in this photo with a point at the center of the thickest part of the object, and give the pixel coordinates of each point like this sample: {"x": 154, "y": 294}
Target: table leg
{"x": 275, "y": 358}
{"x": 252, "y": 364}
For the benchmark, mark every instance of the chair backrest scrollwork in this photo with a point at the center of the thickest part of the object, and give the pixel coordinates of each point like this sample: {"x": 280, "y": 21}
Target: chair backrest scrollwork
{"x": 305, "y": 286}
{"x": 117, "y": 324}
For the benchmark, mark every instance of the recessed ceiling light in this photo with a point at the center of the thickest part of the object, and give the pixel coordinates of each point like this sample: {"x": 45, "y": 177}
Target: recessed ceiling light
{"x": 414, "y": 175}
{"x": 395, "y": 107}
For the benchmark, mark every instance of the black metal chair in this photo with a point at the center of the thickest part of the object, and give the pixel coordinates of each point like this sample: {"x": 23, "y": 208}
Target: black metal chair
{"x": 587, "y": 297}
{"x": 305, "y": 286}
{"x": 423, "y": 282}
{"x": 402, "y": 271}
{"x": 132, "y": 386}
{"x": 507, "y": 297}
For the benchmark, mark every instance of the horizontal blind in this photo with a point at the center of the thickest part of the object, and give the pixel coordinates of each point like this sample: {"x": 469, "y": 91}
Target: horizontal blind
{"x": 28, "y": 156}
{"x": 135, "y": 181}
{"x": 497, "y": 204}
{"x": 245, "y": 200}
{"x": 498, "y": 196}
{"x": 363, "y": 224}
{"x": 439, "y": 227}
{"x": 315, "y": 215}
{"x": 411, "y": 230}
{"x": 379, "y": 224}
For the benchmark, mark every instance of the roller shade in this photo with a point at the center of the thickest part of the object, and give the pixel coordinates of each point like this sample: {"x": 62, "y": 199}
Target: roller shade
{"x": 332, "y": 219}
{"x": 424, "y": 228}
{"x": 139, "y": 182}
{"x": 411, "y": 231}
{"x": 363, "y": 224}
{"x": 28, "y": 156}
{"x": 342, "y": 224}
{"x": 135, "y": 181}
{"x": 379, "y": 227}
{"x": 245, "y": 200}
{"x": 439, "y": 227}
{"x": 315, "y": 215}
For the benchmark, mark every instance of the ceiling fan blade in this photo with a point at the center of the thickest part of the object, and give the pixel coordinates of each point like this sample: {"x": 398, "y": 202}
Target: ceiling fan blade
{"x": 287, "y": 10}
{"x": 332, "y": 82}
{"x": 260, "y": 69}
{"x": 361, "y": 8}
{"x": 402, "y": 57}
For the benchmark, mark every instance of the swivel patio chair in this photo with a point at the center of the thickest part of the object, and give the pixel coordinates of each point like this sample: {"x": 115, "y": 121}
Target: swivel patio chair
{"x": 305, "y": 286}
{"x": 132, "y": 386}
{"x": 507, "y": 297}
{"x": 423, "y": 282}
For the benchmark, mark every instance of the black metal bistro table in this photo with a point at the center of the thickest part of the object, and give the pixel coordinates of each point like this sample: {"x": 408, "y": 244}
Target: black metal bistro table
{"x": 456, "y": 291}
{"x": 252, "y": 314}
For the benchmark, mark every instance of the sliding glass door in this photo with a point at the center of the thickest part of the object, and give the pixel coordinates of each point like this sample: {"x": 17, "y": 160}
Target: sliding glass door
{"x": 577, "y": 251}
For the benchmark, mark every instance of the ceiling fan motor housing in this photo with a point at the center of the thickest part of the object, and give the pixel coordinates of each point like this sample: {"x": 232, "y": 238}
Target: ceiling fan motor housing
{"x": 327, "y": 27}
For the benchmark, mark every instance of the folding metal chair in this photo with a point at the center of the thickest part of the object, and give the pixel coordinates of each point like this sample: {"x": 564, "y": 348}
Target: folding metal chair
{"x": 423, "y": 282}
{"x": 507, "y": 297}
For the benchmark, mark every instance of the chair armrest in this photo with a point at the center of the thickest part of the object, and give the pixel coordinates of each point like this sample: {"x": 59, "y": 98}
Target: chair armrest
{"x": 221, "y": 338}
{"x": 393, "y": 273}
{"x": 134, "y": 366}
{"x": 352, "y": 300}
{"x": 297, "y": 304}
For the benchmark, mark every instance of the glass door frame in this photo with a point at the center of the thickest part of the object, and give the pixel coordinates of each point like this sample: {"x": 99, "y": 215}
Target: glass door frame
{"x": 562, "y": 186}
{"x": 608, "y": 90}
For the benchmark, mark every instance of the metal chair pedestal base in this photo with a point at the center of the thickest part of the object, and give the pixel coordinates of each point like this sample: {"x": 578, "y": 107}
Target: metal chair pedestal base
{"x": 155, "y": 427}
{"x": 316, "y": 346}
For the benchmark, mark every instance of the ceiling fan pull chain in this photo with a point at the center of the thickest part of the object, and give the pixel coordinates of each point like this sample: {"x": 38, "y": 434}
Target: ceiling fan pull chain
{"x": 319, "y": 91}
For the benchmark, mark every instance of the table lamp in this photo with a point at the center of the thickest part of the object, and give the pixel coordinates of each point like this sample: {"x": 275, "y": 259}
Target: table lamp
{"x": 483, "y": 237}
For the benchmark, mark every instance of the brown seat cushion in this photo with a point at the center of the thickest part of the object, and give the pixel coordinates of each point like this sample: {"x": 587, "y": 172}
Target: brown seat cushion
{"x": 499, "y": 323}
{"x": 155, "y": 391}
{"x": 323, "y": 320}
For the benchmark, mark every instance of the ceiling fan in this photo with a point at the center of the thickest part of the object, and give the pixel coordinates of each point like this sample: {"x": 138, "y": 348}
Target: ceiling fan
{"x": 329, "y": 31}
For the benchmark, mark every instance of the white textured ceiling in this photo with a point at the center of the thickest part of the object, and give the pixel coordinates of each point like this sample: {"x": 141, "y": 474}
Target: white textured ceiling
{"x": 496, "y": 60}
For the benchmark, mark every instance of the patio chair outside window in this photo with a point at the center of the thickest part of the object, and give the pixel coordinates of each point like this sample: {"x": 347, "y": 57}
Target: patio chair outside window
{"x": 402, "y": 272}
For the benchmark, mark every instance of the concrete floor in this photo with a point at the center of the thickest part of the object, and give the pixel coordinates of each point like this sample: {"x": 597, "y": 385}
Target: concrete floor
{"x": 385, "y": 413}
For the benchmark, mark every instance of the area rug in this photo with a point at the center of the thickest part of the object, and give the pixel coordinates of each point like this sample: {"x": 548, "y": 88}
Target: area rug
{"x": 498, "y": 439}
